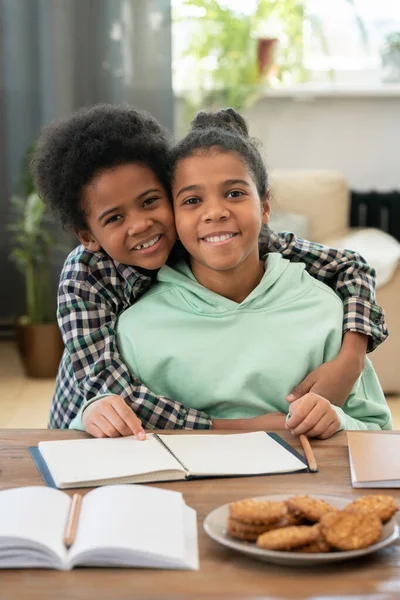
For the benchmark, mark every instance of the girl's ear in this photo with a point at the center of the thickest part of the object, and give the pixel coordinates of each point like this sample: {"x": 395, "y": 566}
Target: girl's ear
{"x": 266, "y": 209}
{"x": 87, "y": 240}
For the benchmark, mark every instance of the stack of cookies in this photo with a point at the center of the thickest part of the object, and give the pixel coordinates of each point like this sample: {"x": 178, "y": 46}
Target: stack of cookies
{"x": 305, "y": 524}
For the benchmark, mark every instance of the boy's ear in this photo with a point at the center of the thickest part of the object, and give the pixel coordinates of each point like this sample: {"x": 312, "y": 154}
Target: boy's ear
{"x": 88, "y": 240}
{"x": 266, "y": 209}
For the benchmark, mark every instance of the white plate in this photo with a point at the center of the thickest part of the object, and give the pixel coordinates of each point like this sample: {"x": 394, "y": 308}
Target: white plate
{"x": 215, "y": 527}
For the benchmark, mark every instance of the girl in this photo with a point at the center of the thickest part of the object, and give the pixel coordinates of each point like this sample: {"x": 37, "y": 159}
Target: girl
{"x": 105, "y": 172}
{"x": 228, "y": 333}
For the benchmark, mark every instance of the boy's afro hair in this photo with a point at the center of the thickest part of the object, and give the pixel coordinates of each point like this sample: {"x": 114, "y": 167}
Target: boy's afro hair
{"x": 71, "y": 151}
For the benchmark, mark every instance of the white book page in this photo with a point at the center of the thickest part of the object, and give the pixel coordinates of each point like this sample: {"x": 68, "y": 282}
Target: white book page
{"x": 91, "y": 460}
{"x": 232, "y": 454}
{"x": 143, "y": 525}
{"x": 31, "y": 517}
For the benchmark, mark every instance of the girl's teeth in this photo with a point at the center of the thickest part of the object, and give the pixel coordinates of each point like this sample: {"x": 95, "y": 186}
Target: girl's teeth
{"x": 148, "y": 244}
{"x": 219, "y": 238}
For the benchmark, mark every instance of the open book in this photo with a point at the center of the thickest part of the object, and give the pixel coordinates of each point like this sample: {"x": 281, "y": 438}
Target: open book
{"x": 92, "y": 462}
{"x": 118, "y": 526}
{"x": 374, "y": 459}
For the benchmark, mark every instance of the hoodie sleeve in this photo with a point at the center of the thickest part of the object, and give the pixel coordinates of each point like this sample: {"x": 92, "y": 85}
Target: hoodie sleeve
{"x": 366, "y": 407}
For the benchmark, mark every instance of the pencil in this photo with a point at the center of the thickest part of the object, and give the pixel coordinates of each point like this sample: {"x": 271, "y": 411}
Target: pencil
{"x": 312, "y": 463}
{"x": 72, "y": 520}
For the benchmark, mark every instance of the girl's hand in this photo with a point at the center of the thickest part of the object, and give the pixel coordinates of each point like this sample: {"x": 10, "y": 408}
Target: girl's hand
{"x": 313, "y": 415}
{"x": 335, "y": 379}
{"x": 111, "y": 417}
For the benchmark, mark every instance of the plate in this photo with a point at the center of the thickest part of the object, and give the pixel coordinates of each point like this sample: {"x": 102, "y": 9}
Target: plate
{"x": 215, "y": 527}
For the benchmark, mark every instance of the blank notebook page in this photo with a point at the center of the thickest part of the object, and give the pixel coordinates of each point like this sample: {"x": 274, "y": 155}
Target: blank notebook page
{"x": 232, "y": 454}
{"x": 96, "y": 459}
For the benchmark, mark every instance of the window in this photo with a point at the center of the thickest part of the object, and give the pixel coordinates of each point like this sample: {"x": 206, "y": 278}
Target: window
{"x": 321, "y": 41}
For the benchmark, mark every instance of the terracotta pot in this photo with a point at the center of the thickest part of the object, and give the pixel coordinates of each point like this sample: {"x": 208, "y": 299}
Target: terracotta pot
{"x": 41, "y": 348}
{"x": 266, "y": 55}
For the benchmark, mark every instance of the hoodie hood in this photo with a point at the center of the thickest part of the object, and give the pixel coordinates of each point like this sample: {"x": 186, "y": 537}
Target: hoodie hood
{"x": 281, "y": 279}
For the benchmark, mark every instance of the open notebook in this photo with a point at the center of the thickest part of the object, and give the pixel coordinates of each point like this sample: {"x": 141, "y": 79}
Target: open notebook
{"x": 93, "y": 462}
{"x": 374, "y": 459}
{"x": 118, "y": 526}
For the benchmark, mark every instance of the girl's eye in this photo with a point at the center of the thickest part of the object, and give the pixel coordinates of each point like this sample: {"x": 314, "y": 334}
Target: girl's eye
{"x": 192, "y": 201}
{"x": 149, "y": 201}
{"x": 113, "y": 219}
{"x": 235, "y": 194}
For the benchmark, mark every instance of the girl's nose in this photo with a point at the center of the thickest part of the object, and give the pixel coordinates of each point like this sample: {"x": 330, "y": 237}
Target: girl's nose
{"x": 215, "y": 212}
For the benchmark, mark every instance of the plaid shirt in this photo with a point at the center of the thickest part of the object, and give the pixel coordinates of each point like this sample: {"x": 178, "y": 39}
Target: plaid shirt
{"x": 94, "y": 290}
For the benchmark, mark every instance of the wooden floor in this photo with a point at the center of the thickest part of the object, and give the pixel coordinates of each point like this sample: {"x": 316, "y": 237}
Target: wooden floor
{"x": 25, "y": 403}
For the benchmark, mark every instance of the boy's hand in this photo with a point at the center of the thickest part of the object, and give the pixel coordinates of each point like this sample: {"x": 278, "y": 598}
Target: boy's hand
{"x": 313, "y": 415}
{"x": 111, "y": 417}
{"x": 335, "y": 379}
{"x": 266, "y": 422}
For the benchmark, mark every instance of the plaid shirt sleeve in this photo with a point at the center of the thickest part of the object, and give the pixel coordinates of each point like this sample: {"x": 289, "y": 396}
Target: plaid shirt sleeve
{"x": 344, "y": 271}
{"x": 89, "y": 303}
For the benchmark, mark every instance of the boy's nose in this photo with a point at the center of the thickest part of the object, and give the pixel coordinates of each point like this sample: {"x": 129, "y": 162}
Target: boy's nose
{"x": 139, "y": 226}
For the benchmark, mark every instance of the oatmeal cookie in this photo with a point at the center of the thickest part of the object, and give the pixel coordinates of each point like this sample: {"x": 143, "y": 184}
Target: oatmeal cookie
{"x": 347, "y": 530}
{"x": 310, "y": 509}
{"x": 288, "y": 538}
{"x": 257, "y": 512}
{"x": 245, "y": 531}
{"x": 319, "y": 545}
{"x": 383, "y": 506}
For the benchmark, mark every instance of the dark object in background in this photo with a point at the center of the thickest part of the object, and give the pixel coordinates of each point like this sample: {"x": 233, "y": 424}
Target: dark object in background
{"x": 376, "y": 209}
{"x": 41, "y": 348}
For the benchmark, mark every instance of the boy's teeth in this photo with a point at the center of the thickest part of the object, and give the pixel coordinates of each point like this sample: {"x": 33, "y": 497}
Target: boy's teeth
{"x": 148, "y": 244}
{"x": 219, "y": 238}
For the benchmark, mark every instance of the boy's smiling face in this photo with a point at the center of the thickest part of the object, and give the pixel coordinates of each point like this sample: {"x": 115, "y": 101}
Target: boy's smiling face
{"x": 218, "y": 211}
{"x": 129, "y": 216}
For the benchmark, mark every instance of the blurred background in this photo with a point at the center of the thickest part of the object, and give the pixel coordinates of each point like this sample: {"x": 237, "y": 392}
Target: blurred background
{"x": 318, "y": 81}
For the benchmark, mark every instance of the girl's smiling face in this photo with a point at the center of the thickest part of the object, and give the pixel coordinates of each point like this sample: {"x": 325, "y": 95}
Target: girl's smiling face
{"x": 129, "y": 216}
{"x": 218, "y": 211}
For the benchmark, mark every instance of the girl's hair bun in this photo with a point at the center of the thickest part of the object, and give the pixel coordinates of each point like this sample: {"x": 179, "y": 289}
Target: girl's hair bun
{"x": 227, "y": 119}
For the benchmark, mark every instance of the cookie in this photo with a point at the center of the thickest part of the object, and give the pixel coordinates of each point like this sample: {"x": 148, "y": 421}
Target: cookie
{"x": 257, "y": 512}
{"x": 383, "y": 506}
{"x": 244, "y": 531}
{"x": 309, "y": 509}
{"x": 292, "y": 519}
{"x": 288, "y": 538}
{"x": 319, "y": 545}
{"x": 348, "y": 530}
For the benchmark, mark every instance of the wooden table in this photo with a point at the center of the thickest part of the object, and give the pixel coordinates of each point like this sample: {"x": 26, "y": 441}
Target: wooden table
{"x": 223, "y": 573}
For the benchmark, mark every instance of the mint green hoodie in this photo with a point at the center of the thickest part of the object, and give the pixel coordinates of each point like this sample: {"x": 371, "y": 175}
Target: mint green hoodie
{"x": 232, "y": 360}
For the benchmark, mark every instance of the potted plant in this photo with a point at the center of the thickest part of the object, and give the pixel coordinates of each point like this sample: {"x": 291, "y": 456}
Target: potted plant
{"x": 391, "y": 58}
{"x": 236, "y": 52}
{"x": 32, "y": 238}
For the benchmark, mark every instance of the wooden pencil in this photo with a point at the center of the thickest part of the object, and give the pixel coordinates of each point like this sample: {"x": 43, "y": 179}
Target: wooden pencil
{"x": 309, "y": 454}
{"x": 72, "y": 520}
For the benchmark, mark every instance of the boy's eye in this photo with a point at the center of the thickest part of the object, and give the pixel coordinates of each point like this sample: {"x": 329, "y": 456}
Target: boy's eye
{"x": 113, "y": 219}
{"x": 149, "y": 201}
{"x": 234, "y": 194}
{"x": 190, "y": 201}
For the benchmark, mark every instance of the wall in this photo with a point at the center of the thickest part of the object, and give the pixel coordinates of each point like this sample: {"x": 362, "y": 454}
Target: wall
{"x": 358, "y": 134}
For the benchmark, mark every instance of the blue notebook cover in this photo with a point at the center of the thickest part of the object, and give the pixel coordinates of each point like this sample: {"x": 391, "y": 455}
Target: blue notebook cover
{"x": 49, "y": 481}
